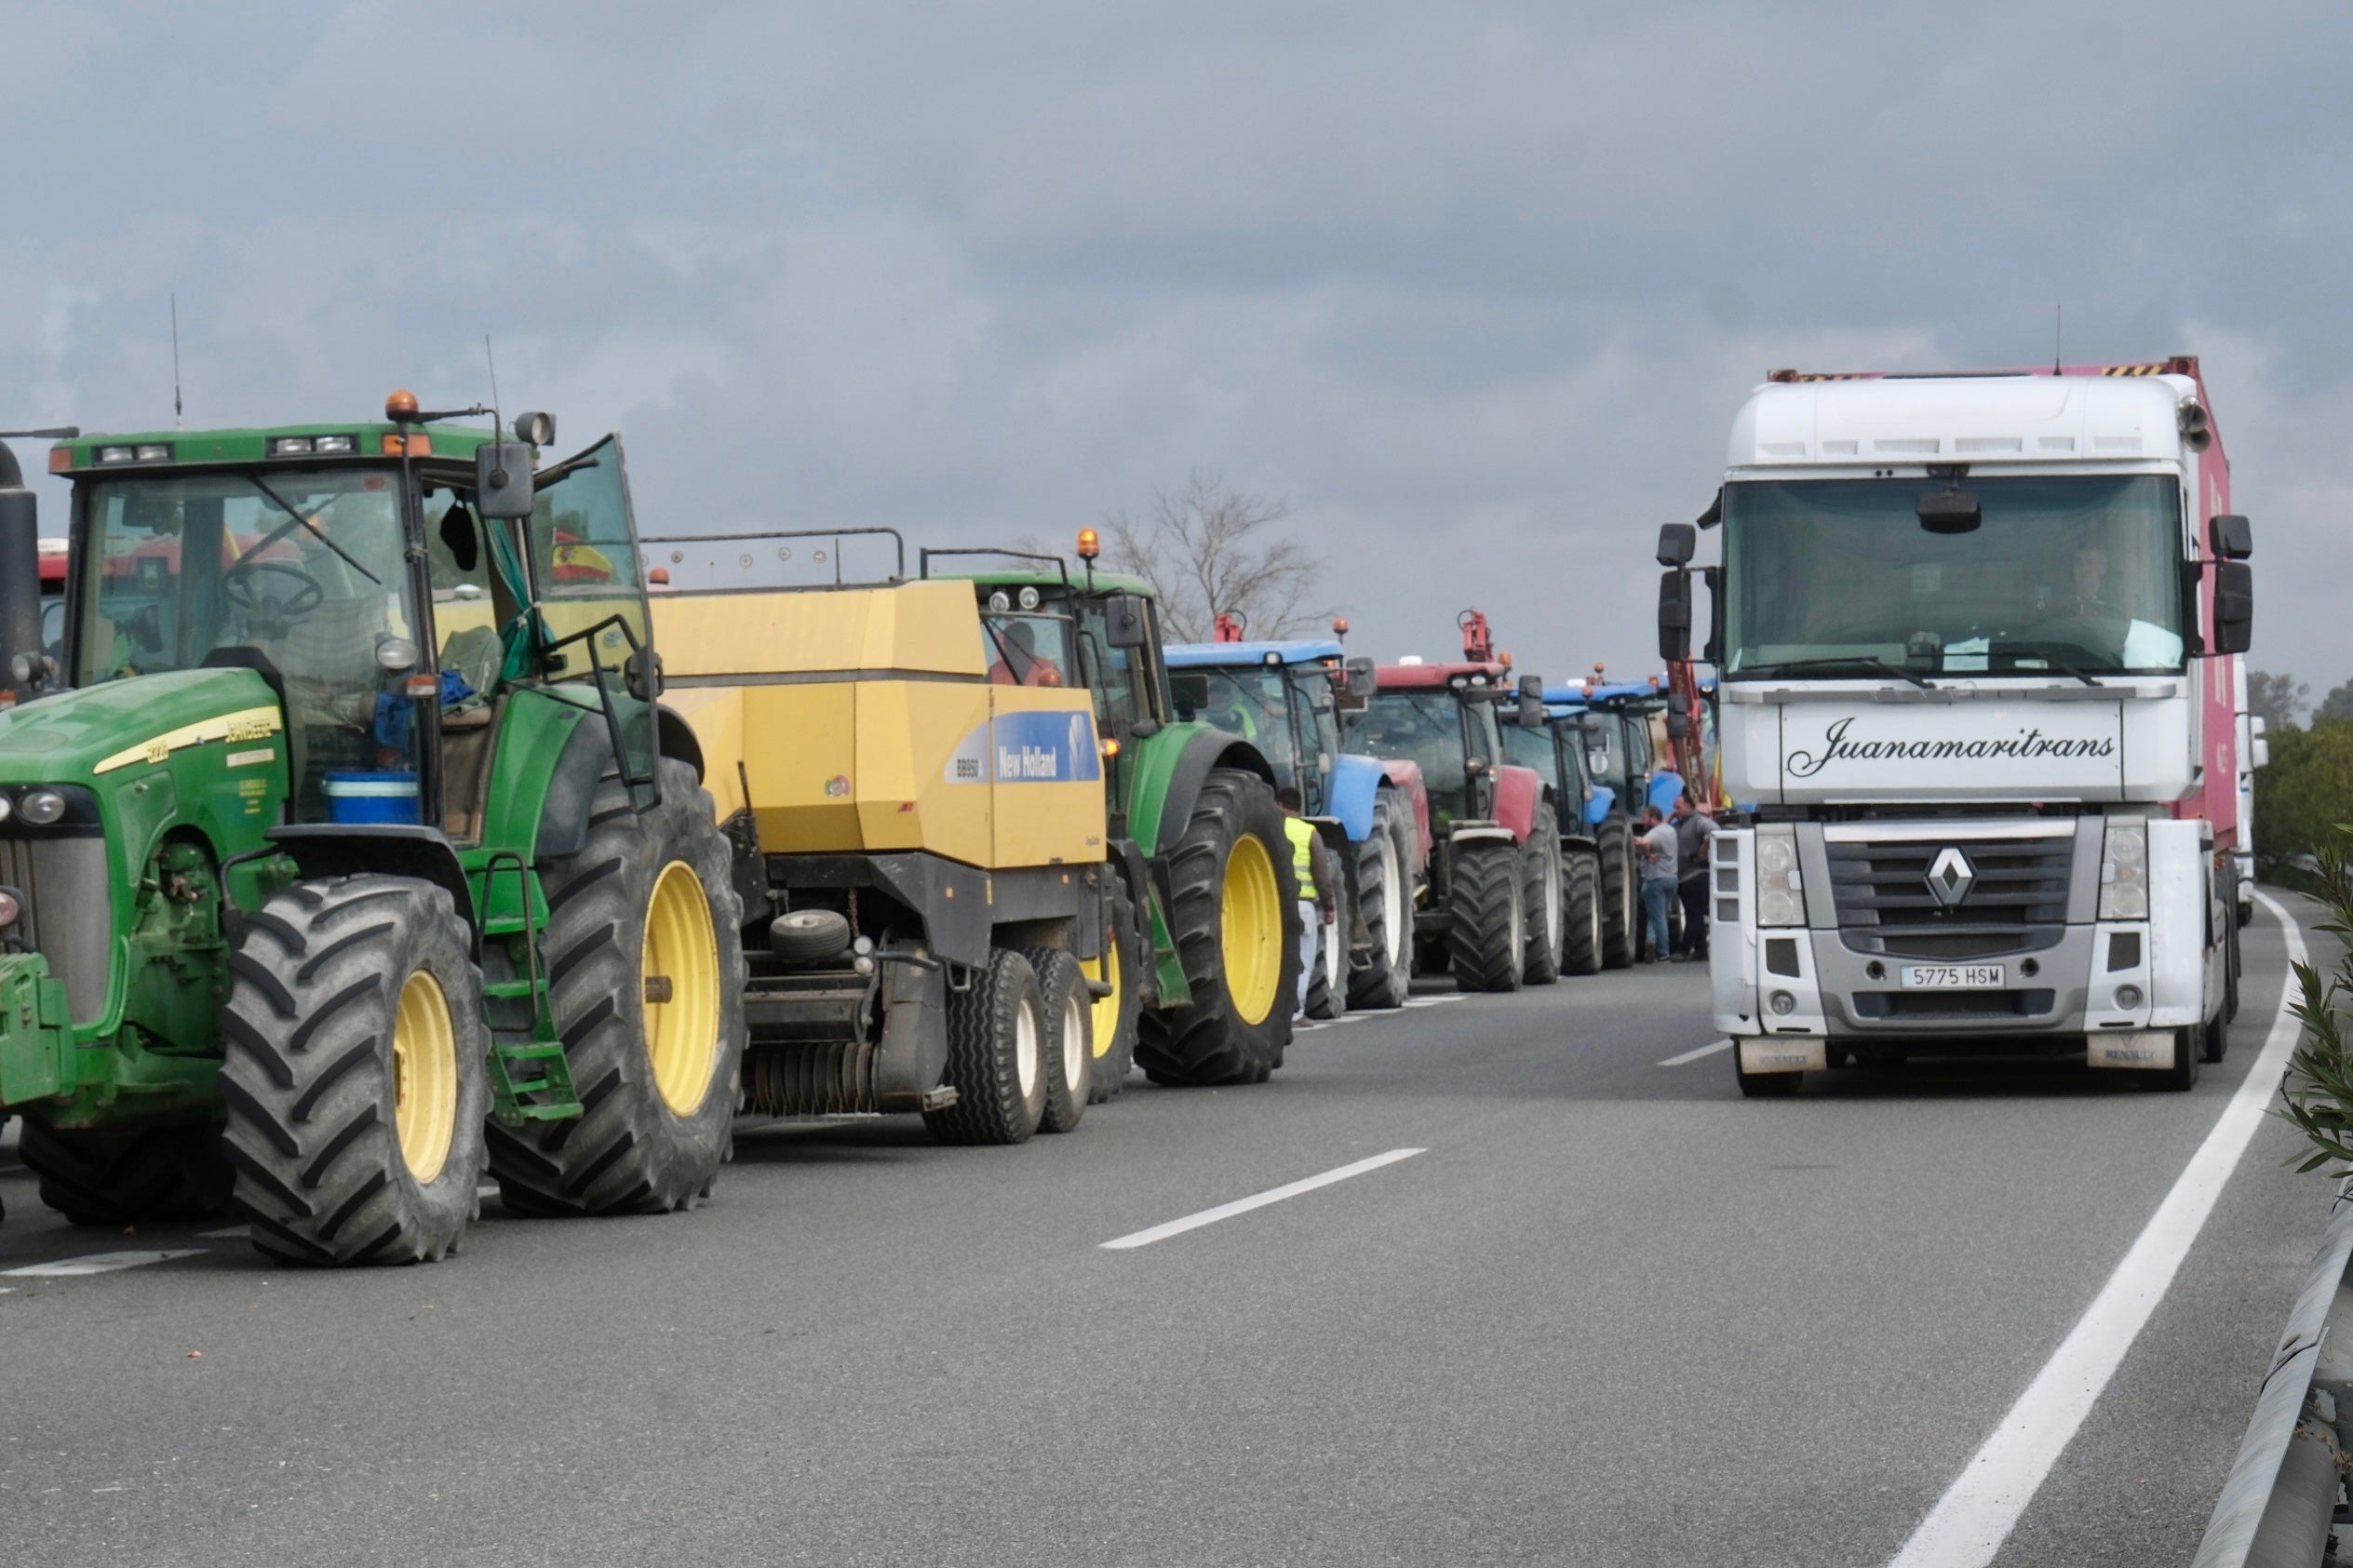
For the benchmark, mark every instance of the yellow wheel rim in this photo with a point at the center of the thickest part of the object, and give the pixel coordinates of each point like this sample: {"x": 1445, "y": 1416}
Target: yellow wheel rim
{"x": 1106, "y": 1017}
{"x": 680, "y": 966}
{"x": 1252, "y": 923}
{"x": 425, "y": 1075}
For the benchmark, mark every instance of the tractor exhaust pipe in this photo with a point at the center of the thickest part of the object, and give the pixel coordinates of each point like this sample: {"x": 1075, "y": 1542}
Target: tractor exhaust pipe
{"x": 20, "y": 559}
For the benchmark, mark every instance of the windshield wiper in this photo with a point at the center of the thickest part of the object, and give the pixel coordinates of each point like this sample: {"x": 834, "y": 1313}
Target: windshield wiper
{"x": 1850, "y": 661}
{"x": 316, "y": 531}
{"x": 2052, "y": 664}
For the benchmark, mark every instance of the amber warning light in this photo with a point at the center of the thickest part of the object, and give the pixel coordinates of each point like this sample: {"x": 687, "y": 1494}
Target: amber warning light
{"x": 1090, "y": 545}
{"x": 401, "y": 407}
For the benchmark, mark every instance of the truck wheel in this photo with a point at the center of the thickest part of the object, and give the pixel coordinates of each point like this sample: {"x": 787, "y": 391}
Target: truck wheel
{"x": 1385, "y": 903}
{"x": 1580, "y": 910}
{"x": 1764, "y": 1086}
{"x": 1540, "y": 896}
{"x": 1235, "y": 920}
{"x": 2213, "y": 1040}
{"x": 1487, "y": 939}
{"x": 2189, "y": 1046}
{"x": 121, "y": 1175}
{"x": 1620, "y": 926}
{"x": 2230, "y": 983}
{"x": 1111, "y": 1029}
{"x": 1327, "y": 987}
{"x": 644, "y": 960}
{"x": 1068, "y": 1049}
{"x": 996, "y": 1055}
{"x": 353, "y": 1050}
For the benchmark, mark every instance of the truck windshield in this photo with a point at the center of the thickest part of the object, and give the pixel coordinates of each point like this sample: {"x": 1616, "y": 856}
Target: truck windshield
{"x": 1425, "y": 727}
{"x": 2068, "y": 573}
{"x": 1254, "y": 704}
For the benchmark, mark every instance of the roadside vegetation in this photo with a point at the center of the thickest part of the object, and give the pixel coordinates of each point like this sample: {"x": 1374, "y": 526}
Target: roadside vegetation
{"x": 2318, "y": 1090}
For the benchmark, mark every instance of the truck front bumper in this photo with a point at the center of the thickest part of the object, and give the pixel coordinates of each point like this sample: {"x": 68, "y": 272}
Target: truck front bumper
{"x": 36, "y": 1041}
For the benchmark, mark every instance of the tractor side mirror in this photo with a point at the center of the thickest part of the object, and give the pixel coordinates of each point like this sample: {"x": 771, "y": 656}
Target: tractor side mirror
{"x": 503, "y": 479}
{"x": 1129, "y": 624}
{"x": 2234, "y": 606}
{"x": 1362, "y": 680}
{"x": 2234, "y": 537}
{"x": 1678, "y": 724}
{"x": 1189, "y": 690}
{"x": 642, "y": 672}
{"x": 1675, "y": 615}
{"x": 1532, "y": 701}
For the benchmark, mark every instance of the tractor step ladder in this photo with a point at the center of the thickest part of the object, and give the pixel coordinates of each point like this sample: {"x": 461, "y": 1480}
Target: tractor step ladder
{"x": 531, "y": 1077}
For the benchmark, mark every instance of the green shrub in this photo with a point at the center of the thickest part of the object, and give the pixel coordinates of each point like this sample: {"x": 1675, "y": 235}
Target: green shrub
{"x": 2318, "y": 1090}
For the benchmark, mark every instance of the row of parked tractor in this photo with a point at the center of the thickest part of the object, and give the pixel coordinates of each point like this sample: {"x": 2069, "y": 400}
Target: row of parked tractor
{"x": 376, "y": 821}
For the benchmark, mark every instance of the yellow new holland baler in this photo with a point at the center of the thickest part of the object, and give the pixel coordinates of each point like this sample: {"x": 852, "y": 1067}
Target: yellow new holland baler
{"x": 923, "y": 845}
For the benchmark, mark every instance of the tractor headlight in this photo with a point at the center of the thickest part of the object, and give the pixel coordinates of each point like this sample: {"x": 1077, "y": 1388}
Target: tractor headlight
{"x": 7, "y": 807}
{"x": 1780, "y": 889}
{"x": 41, "y": 807}
{"x": 2124, "y": 870}
{"x": 11, "y": 907}
{"x": 1028, "y": 599}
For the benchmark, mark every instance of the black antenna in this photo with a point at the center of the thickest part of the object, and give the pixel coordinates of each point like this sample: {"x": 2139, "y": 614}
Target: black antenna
{"x": 2058, "y": 337}
{"x": 498, "y": 420}
{"x": 177, "y": 423}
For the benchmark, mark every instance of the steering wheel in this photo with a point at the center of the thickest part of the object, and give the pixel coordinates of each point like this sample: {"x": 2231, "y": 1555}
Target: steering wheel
{"x": 237, "y": 587}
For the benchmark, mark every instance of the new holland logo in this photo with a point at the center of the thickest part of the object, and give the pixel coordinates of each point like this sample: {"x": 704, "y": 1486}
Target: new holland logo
{"x": 1951, "y": 876}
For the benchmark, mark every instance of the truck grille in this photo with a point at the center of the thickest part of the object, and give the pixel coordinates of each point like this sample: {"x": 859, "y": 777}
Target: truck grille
{"x": 2017, "y": 902}
{"x": 67, "y": 918}
{"x": 1953, "y": 1004}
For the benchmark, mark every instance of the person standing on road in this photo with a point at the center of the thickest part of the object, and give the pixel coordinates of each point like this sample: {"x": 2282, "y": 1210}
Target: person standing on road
{"x": 1659, "y": 862}
{"x": 1311, "y": 863}
{"x": 1693, "y": 828}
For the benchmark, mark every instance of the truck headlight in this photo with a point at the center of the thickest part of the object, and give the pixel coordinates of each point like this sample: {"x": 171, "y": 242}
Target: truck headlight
{"x": 41, "y": 807}
{"x": 2124, "y": 870}
{"x": 1781, "y": 892}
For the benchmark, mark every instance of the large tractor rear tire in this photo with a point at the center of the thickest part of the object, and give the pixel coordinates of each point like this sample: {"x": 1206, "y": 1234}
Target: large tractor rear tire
{"x": 1385, "y": 903}
{"x": 1235, "y": 920}
{"x": 645, "y": 972}
{"x": 1620, "y": 909}
{"x": 1581, "y": 909}
{"x": 1487, "y": 939}
{"x": 1113, "y": 1027}
{"x": 354, "y": 1044}
{"x": 1541, "y": 897}
{"x": 123, "y": 1175}
{"x": 1067, "y": 1046}
{"x": 996, "y": 1055}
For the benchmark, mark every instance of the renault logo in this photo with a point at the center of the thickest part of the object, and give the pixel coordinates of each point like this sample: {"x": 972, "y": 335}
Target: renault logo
{"x": 1950, "y": 876}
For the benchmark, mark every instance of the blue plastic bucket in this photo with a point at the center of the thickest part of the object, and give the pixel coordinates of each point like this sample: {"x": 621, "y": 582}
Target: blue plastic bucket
{"x": 356, "y": 797}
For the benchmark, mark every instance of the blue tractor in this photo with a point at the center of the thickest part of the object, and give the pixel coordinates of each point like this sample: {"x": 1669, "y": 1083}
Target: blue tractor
{"x": 1612, "y": 723}
{"x": 1285, "y": 698}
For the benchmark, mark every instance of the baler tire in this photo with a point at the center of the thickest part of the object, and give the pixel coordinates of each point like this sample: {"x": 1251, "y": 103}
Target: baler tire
{"x": 1385, "y": 902}
{"x": 114, "y": 1176}
{"x": 810, "y": 936}
{"x": 1214, "y": 1040}
{"x": 313, "y": 1072}
{"x": 1486, "y": 938}
{"x": 1122, "y": 948}
{"x": 1543, "y": 899}
{"x": 1580, "y": 910}
{"x": 984, "y": 1023}
{"x": 1068, "y": 1064}
{"x": 1621, "y": 923}
{"x": 631, "y": 1150}
{"x": 1327, "y": 987}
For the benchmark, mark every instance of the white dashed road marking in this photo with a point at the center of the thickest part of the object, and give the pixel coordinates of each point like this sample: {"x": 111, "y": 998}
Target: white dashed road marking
{"x": 1273, "y": 1195}
{"x": 98, "y": 1262}
{"x": 1695, "y": 1055}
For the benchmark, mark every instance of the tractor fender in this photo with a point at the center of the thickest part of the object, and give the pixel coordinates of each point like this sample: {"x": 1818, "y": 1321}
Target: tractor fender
{"x": 1516, "y": 793}
{"x": 1405, "y": 775}
{"x": 1666, "y": 788}
{"x": 390, "y": 849}
{"x": 1205, "y": 750}
{"x": 1599, "y": 805}
{"x": 676, "y": 738}
{"x": 571, "y": 790}
{"x": 1478, "y": 832}
{"x": 1356, "y": 779}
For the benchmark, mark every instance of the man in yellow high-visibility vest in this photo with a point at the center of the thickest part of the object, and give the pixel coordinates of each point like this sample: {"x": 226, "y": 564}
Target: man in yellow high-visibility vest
{"x": 1319, "y": 902}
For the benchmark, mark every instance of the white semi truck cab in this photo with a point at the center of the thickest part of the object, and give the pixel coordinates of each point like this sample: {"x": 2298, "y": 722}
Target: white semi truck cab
{"x": 1977, "y": 639}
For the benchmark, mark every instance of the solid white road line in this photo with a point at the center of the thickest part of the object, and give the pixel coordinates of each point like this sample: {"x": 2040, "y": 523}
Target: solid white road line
{"x": 235, "y": 1232}
{"x": 1243, "y": 1205}
{"x": 1695, "y": 1055}
{"x": 1978, "y": 1511}
{"x": 98, "y": 1262}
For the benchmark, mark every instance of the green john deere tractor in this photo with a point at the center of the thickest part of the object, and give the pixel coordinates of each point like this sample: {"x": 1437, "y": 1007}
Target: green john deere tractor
{"x": 344, "y": 853}
{"x": 1199, "y": 982}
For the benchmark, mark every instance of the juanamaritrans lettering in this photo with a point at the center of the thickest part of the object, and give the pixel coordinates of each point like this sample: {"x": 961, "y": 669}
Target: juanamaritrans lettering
{"x": 2028, "y": 743}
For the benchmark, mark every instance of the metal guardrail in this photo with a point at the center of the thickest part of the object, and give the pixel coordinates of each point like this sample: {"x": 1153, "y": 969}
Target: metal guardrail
{"x": 2275, "y": 1509}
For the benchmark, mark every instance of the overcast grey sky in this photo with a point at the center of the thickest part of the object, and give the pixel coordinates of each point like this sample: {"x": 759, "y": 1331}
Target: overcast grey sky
{"x": 1475, "y": 288}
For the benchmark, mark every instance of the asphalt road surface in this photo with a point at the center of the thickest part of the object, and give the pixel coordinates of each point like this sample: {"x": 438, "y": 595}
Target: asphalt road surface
{"x": 1610, "y": 1314}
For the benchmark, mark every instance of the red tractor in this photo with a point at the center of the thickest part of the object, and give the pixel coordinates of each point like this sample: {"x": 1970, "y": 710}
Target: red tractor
{"x": 1492, "y": 911}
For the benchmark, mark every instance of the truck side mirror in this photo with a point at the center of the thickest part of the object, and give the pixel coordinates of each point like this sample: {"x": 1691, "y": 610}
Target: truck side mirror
{"x": 2234, "y": 537}
{"x": 2259, "y": 754}
{"x": 1129, "y": 624}
{"x": 2234, "y": 606}
{"x": 1676, "y": 543}
{"x": 1531, "y": 712}
{"x": 1675, "y": 615}
{"x": 1189, "y": 690}
{"x": 503, "y": 479}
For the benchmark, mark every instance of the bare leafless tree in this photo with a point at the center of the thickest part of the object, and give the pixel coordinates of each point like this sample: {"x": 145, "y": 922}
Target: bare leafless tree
{"x": 1206, "y": 548}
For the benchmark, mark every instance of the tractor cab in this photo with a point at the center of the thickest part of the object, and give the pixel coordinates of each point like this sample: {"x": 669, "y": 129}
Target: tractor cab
{"x": 1285, "y": 698}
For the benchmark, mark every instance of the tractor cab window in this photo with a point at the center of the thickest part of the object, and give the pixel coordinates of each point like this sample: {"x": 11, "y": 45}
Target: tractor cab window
{"x": 1424, "y": 727}
{"x": 1606, "y": 750}
{"x": 470, "y": 606}
{"x": 1321, "y": 703}
{"x": 1124, "y": 690}
{"x": 1254, "y": 702}
{"x": 303, "y": 572}
{"x": 590, "y": 601}
{"x": 1526, "y": 745}
{"x": 1026, "y": 650}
